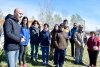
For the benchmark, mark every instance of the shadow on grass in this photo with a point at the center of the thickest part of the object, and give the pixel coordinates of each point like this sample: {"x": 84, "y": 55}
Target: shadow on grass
{"x": 35, "y": 63}
{"x": 70, "y": 60}
{"x": 73, "y": 61}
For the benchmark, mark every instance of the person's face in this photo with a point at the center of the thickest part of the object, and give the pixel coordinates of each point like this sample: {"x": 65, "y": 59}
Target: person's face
{"x": 92, "y": 34}
{"x": 56, "y": 28}
{"x": 25, "y": 21}
{"x": 75, "y": 25}
{"x": 81, "y": 28}
{"x": 36, "y": 25}
{"x": 18, "y": 14}
{"x": 65, "y": 23}
{"x": 46, "y": 27}
{"x": 61, "y": 29}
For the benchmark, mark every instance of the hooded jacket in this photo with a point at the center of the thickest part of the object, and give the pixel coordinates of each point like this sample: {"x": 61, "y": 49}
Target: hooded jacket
{"x": 12, "y": 32}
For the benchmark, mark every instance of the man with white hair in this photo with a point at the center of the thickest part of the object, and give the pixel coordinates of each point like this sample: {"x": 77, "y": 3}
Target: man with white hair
{"x": 12, "y": 37}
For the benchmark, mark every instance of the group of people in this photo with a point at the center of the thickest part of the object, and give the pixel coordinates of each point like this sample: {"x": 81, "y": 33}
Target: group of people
{"x": 18, "y": 34}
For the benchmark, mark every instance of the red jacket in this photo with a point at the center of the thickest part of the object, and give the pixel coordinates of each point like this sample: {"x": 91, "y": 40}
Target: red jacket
{"x": 95, "y": 42}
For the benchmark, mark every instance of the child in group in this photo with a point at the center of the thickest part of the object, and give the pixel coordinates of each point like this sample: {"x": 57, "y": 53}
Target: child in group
{"x": 45, "y": 42}
{"x": 24, "y": 33}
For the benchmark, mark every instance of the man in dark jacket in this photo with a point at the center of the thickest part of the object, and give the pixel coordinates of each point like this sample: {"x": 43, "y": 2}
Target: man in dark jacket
{"x": 12, "y": 37}
{"x": 72, "y": 33}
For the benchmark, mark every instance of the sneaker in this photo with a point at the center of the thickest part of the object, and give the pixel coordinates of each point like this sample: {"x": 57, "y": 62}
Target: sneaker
{"x": 21, "y": 66}
{"x": 89, "y": 66}
{"x": 94, "y": 65}
{"x": 76, "y": 63}
{"x": 36, "y": 60}
{"x": 47, "y": 64}
{"x": 31, "y": 59}
{"x": 81, "y": 63}
{"x": 24, "y": 65}
{"x": 43, "y": 63}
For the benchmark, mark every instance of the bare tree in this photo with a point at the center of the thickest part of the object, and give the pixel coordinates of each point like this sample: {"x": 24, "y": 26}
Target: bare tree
{"x": 46, "y": 13}
{"x": 57, "y": 19}
{"x": 77, "y": 19}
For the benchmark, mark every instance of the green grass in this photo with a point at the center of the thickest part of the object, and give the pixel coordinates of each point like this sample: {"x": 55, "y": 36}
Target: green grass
{"x": 69, "y": 62}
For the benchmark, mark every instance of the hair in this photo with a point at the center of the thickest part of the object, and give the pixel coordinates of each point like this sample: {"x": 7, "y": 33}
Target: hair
{"x": 61, "y": 26}
{"x": 80, "y": 26}
{"x": 74, "y": 23}
{"x": 34, "y": 23}
{"x": 22, "y": 23}
{"x": 65, "y": 20}
{"x": 55, "y": 27}
{"x": 46, "y": 24}
{"x": 93, "y": 32}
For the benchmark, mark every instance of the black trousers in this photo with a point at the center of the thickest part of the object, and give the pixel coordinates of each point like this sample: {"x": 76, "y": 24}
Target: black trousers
{"x": 59, "y": 57}
{"x": 72, "y": 47}
{"x": 93, "y": 57}
{"x": 22, "y": 53}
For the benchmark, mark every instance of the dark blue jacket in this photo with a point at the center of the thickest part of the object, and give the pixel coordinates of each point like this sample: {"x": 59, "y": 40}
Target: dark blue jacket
{"x": 25, "y": 33}
{"x": 73, "y": 31}
{"x": 44, "y": 38}
{"x": 12, "y": 32}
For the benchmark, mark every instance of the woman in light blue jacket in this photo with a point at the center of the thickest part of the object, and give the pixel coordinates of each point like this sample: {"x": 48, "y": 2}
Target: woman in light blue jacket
{"x": 26, "y": 34}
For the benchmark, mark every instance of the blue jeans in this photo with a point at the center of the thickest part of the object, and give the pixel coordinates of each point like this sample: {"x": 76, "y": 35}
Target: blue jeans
{"x": 45, "y": 54}
{"x": 36, "y": 50}
{"x": 59, "y": 57}
{"x": 12, "y": 58}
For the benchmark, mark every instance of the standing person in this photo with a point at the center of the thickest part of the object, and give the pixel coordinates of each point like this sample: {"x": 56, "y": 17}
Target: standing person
{"x": 60, "y": 41}
{"x": 93, "y": 45}
{"x": 34, "y": 36}
{"x": 12, "y": 30}
{"x": 66, "y": 27}
{"x": 79, "y": 38}
{"x": 45, "y": 42}
{"x": 53, "y": 32}
{"x": 26, "y": 34}
{"x": 72, "y": 33}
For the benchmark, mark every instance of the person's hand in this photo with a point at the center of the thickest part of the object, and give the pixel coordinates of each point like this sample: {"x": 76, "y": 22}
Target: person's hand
{"x": 95, "y": 48}
{"x": 22, "y": 39}
{"x": 83, "y": 45}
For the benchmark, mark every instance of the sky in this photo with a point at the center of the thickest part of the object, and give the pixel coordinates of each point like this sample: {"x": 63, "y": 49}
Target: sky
{"x": 89, "y": 10}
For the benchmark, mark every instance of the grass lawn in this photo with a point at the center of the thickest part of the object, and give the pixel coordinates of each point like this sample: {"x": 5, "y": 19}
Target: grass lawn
{"x": 69, "y": 62}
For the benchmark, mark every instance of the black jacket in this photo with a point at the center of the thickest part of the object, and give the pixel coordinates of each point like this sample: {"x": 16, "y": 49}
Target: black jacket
{"x": 12, "y": 32}
{"x": 34, "y": 35}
